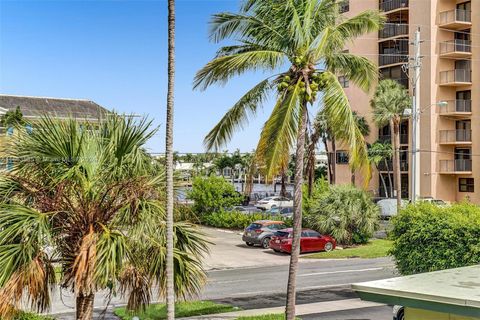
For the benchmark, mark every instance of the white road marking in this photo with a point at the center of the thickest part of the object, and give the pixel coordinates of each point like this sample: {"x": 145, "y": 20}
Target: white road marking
{"x": 227, "y": 281}
{"x": 340, "y": 271}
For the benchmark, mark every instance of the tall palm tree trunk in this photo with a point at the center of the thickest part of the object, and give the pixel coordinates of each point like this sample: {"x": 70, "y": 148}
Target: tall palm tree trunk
{"x": 329, "y": 161}
{"x": 283, "y": 190}
{"x": 383, "y": 183}
{"x": 170, "y": 293}
{"x": 334, "y": 162}
{"x": 396, "y": 161}
{"x": 84, "y": 306}
{"x": 297, "y": 217}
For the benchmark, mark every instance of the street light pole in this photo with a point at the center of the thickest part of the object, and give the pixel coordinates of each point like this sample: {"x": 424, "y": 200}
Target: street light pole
{"x": 415, "y": 173}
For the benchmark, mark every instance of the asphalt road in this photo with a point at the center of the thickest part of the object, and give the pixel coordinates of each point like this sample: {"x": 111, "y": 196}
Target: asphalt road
{"x": 253, "y": 278}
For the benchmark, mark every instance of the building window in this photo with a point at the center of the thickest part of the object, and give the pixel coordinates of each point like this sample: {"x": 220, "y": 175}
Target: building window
{"x": 344, "y": 6}
{"x": 466, "y": 185}
{"x": 342, "y": 157}
{"x": 344, "y": 82}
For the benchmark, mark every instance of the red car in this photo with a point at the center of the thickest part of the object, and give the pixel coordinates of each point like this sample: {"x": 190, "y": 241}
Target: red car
{"x": 311, "y": 241}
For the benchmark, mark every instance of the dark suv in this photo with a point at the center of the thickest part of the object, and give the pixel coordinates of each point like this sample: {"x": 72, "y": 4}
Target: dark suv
{"x": 260, "y": 232}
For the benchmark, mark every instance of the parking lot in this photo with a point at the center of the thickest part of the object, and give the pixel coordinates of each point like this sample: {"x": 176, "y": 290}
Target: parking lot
{"x": 229, "y": 251}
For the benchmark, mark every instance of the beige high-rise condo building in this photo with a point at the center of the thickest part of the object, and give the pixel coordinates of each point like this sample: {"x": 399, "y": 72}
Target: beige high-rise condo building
{"x": 449, "y": 122}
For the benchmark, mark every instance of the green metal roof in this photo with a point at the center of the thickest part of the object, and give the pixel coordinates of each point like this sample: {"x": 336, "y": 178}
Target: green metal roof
{"x": 454, "y": 291}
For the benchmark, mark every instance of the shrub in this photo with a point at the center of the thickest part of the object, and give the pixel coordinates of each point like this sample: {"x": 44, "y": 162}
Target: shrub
{"x": 347, "y": 213}
{"x": 212, "y": 194}
{"x": 237, "y": 220}
{"x": 22, "y": 315}
{"x": 428, "y": 237}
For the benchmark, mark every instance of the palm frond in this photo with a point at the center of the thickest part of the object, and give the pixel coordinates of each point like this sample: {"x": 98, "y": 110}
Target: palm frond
{"x": 280, "y": 130}
{"x": 221, "y": 69}
{"x": 360, "y": 70}
{"x": 237, "y": 116}
{"x": 342, "y": 122}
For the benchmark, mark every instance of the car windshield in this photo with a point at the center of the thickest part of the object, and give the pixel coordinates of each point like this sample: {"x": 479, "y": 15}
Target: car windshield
{"x": 255, "y": 226}
{"x": 438, "y": 201}
{"x": 267, "y": 198}
{"x": 274, "y": 210}
{"x": 282, "y": 234}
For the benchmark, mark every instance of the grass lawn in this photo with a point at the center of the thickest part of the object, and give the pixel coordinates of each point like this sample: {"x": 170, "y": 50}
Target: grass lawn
{"x": 182, "y": 309}
{"x": 280, "y": 316}
{"x": 374, "y": 249}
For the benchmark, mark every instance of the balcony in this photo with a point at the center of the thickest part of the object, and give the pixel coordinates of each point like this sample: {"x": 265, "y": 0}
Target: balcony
{"x": 456, "y": 78}
{"x": 458, "y": 166}
{"x": 456, "y": 19}
{"x": 456, "y": 108}
{"x": 387, "y": 60}
{"x": 457, "y": 49}
{"x": 455, "y": 137}
{"x": 393, "y": 30}
{"x": 393, "y": 5}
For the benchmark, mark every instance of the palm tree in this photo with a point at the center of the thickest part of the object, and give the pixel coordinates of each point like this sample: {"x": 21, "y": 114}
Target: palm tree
{"x": 382, "y": 152}
{"x": 306, "y": 37}
{"x": 91, "y": 202}
{"x": 170, "y": 296}
{"x": 389, "y": 103}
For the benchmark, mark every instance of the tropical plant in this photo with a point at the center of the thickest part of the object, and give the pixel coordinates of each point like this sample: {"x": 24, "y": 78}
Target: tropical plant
{"x": 308, "y": 38}
{"x": 428, "y": 237}
{"x": 381, "y": 152}
{"x": 213, "y": 194}
{"x": 347, "y": 213}
{"x": 170, "y": 254}
{"x": 238, "y": 220}
{"x": 389, "y": 103}
{"x": 12, "y": 118}
{"x": 91, "y": 202}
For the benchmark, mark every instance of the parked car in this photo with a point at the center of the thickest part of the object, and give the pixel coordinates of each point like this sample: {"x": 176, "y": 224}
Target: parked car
{"x": 398, "y": 313}
{"x": 286, "y": 212}
{"x": 310, "y": 241}
{"x": 431, "y": 200}
{"x": 388, "y": 207}
{"x": 244, "y": 209}
{"x": 260, "y": 232}
{"x": 272, "y": 202}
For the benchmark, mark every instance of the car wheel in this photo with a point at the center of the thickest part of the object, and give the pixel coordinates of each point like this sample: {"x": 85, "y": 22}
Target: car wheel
{"x": 249, "y": 244}
{"x": 266, "y": 243}
{"x": 328, "y": 246}
{"x": 401, "y": 315}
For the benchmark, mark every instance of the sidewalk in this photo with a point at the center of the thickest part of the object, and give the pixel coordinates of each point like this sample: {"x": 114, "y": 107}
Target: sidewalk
{"x": 302, "y": 309}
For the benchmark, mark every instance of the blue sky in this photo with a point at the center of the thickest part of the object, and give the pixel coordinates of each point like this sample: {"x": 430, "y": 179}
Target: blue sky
{"x": 114, "y": 52}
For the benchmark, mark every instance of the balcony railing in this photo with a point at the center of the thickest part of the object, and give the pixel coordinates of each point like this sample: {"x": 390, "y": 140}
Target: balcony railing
{"x": 456, "y": 76}
{"x": 390, "y": 5}
{"x": 454, "y": 106}
{"x": 457, "y": 45}
{"x": 458, "y": 165}
{"x": 393, "y": 30}
{"x": 453, "y": 136}
{"x": 456, "y": 15}
{"x": 386, "y": 59}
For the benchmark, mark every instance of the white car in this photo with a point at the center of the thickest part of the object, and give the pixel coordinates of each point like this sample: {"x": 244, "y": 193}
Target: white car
{"x": 274, "y": 202}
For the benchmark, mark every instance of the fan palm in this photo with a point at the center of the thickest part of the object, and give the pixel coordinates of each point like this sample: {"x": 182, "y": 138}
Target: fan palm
{"x": 90, "y": 202}
{"x": 389, "y": 103}
{"x": 307, "y": 37}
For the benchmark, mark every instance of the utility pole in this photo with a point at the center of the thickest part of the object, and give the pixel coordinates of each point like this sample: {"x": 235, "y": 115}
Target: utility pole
{"x": 416, "y": 66}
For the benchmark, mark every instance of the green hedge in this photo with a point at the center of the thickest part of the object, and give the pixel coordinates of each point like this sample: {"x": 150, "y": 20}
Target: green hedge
{"x": 428, "y": 238}
{"x": 237, "y": 220}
